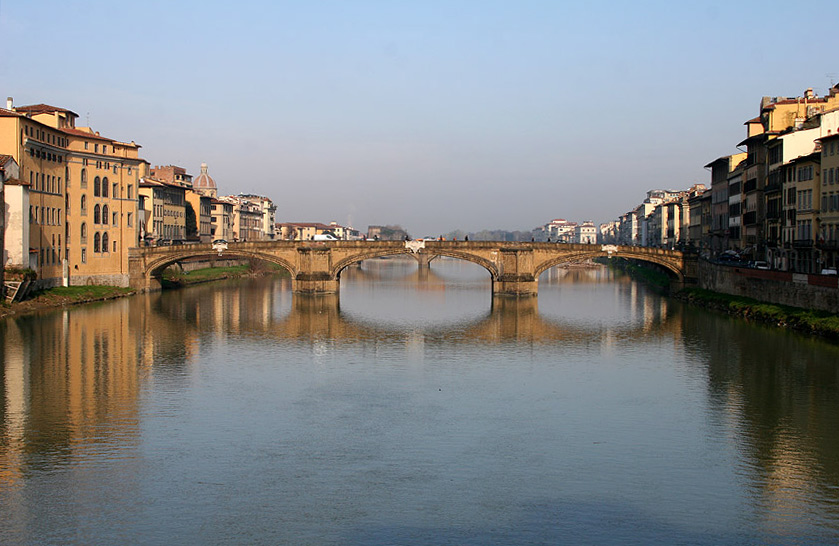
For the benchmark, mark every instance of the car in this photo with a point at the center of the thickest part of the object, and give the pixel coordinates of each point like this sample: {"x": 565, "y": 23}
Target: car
{"x": 828, "y": 271}
{"x": 220, "y": 242}
{"x": 325, "y": 237}
{"x": 759, "y": 264}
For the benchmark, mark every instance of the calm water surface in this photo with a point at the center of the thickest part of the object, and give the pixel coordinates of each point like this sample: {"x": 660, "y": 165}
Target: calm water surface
{"x": 414, "y": 409}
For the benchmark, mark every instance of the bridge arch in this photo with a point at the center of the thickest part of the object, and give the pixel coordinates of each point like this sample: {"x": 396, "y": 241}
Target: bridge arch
{"x": 155, "y": 267}
{"x": 491, "y": 267}
{"x": 580, "y": 256}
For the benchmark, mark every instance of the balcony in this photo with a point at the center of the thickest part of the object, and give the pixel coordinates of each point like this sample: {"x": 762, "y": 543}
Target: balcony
{"x": 750, "y": 218}
{"x": 802, "y": 243}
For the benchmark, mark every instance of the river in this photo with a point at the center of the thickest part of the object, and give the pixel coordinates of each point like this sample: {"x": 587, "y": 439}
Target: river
{"x": 415, "y": 409}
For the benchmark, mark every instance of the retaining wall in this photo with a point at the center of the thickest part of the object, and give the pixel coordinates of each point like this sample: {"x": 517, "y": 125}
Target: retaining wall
{"x": 794, "y": 289}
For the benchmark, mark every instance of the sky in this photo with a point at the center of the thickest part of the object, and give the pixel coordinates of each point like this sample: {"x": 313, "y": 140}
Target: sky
{"x": 434, "y": 115}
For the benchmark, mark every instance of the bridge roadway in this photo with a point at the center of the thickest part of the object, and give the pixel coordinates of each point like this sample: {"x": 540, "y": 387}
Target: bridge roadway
{"x": 315, "y": 266}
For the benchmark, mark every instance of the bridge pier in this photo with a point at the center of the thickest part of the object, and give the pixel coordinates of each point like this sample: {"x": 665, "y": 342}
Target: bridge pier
{"x": 518, "y": 286}
{"x": 314, "y": 283}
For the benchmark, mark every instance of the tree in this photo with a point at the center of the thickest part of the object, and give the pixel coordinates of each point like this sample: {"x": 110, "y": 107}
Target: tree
{"x": 191, "y": 223}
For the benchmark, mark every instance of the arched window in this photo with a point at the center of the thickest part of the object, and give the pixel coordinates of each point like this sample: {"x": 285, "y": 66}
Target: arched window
{"x": 105, "y": 187}
{"x": 105, "y": 215}
{"x": 84, "y": 178}
{"x": 115, "y": 216}
{"x": 115, "y": 192}
{"x": 97, "y": 187}
{"x": 105, "y": 242}
{"x": 115, "y": 246}
{"x": 84, "y": 233}
{"x": 96, "y": 216}
{"x": 84, "y": 204}
{"x": 96, "y": 240}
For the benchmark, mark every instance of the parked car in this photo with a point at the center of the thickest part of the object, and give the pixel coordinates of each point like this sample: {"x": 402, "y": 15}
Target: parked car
{"x": 828, "y": 271}
{"x": 325, "y": 237}
{"x": 759, "y": 265}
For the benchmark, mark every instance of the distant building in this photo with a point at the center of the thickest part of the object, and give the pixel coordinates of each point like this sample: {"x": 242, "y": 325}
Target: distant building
{"x": 585, "y": 233}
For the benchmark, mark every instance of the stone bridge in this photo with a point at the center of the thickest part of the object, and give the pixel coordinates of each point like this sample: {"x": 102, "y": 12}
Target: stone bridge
{"x": 315, "y": 266}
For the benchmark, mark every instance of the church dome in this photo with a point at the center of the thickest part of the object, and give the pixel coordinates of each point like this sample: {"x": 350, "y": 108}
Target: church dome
{"x": 204, "y": 183}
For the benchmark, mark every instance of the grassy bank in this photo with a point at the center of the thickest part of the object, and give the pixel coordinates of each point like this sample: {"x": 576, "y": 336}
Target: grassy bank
{"x": 818, "y": 323}
{"x": 64, "y": 295}
{"x": 174, "y": 278}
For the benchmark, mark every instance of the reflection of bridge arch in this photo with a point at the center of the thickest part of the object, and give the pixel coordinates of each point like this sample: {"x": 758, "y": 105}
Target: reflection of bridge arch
{"x": 316, "y": 266}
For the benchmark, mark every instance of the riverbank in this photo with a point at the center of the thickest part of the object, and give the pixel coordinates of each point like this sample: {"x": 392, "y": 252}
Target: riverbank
{"x": 63, "y": 296}
{"x": 813, "y": 322}
{"x": 818, "y": 323}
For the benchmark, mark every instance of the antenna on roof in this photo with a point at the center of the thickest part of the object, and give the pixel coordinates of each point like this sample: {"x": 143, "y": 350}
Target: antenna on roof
{"x": 832, "y": 77}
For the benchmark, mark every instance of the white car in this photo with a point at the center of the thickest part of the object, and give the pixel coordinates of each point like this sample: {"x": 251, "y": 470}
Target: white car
{"x": 325, "y": 237}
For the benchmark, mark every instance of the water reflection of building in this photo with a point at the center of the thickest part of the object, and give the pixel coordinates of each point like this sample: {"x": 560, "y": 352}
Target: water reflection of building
{"x": 776, "y": 397}
{"x": 70, "y": 382}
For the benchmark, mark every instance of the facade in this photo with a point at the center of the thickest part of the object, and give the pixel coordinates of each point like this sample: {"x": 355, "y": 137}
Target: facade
{"x": 304, "y": 231}
{"x": 585, "y": 233}
{"x": 9, "y": 175}
{"x": 827, "y": 241}
{"x": 202, "y": 207}
{"x": 82, "y": 202}
{"x": 267, "y": 211}
{"x": 164, "y": 212}
{"x": 221, "y": 221}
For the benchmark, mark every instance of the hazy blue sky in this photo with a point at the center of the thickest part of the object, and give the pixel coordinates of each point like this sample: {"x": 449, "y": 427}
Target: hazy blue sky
{"x": 437, "y": 115}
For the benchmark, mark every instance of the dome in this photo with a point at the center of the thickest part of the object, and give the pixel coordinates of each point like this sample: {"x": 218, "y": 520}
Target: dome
{"x": 204, "y": 183}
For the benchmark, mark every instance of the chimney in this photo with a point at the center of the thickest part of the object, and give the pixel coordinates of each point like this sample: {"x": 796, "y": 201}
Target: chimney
{"x": 9, "y": 103}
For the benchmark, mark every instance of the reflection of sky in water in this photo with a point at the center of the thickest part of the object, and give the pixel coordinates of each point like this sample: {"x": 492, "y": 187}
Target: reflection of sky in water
{"x": 392, "y": 294}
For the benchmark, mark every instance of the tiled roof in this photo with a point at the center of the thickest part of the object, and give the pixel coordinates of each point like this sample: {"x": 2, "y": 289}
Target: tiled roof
{"x": 9, "y": 114}
{"x": 85, "y": 134}
{"x": 43, "y": 109}
{"x": 4, "y": 159}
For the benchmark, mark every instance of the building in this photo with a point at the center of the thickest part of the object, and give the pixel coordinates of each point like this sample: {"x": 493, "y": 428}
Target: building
{"x": 221, "y": 222}
{"x": 827, "y": 242}
{"x": 267, "y": 211}
{"x": 9, "y": 175}
{"x": 82, "y": 197}
{"x": 304, "y": 231}
{"x": 164, "y": 212}
{"x": 585, "y": 233}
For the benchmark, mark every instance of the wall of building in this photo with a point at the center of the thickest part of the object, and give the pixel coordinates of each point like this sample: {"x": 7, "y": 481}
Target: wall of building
{"x": 797, "y": 290}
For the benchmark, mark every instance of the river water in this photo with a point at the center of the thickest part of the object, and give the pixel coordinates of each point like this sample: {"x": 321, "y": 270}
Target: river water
{"x": 415, "y": 409}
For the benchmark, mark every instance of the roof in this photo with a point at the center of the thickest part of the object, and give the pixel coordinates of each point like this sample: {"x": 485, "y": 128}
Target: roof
{"x": 9, "y": 114}
{"x": 43, "y": 109}
{"x": 4, "y": 159}
{"x": 753, "y": 120}
{"x": 85, "y": 134}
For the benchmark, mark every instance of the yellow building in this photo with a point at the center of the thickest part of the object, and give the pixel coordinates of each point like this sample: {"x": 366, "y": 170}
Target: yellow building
{"x": 163, "y": 212}
{"x": 82, "y": 196}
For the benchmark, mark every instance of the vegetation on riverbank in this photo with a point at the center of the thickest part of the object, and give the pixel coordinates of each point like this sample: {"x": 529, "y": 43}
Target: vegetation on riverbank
{"x": 819, "y": 323}
{"x": 64, "y": 295}
{"x": 175, "y": 278}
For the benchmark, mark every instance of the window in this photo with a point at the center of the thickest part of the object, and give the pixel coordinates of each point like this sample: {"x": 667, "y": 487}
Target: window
{"x": 105, "y": 215}
{"x": 84, "y": 233}
{"x": 115, "y": 218}
{"x": 84, "y": 255}
{"x": 84, "y": 205}
{"x": 115, "y": 192}
{"x": 96, "y": 148}
{"x": 115, "y": 169}
{"x": 105, "y": 242}
{"x": 115, "y": 246}
{"x": 128, "y": 219}
{"x": 97, "y": 187}
{"x": 97, "y": 241}
{"x": 130, "y": 191}
{"x": 84, "y": 178}
{"x": 96, "y": 217}
{"x": 105, "y": 187}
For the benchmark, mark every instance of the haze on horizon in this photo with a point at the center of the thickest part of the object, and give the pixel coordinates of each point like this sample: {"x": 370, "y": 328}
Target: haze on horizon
{"x": 433, "y": 115}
